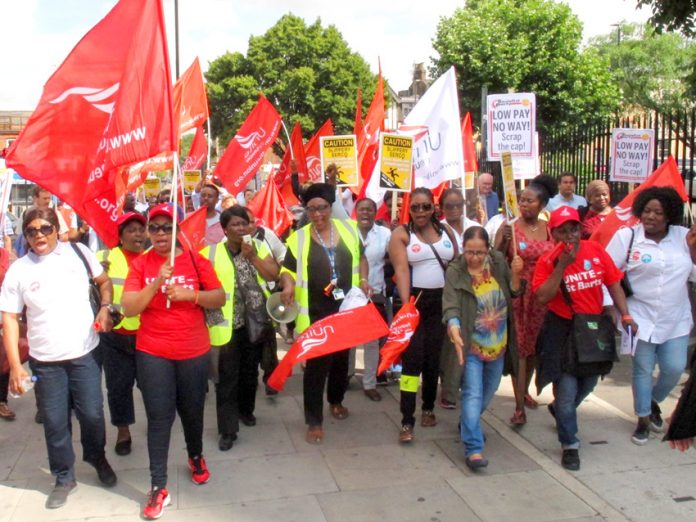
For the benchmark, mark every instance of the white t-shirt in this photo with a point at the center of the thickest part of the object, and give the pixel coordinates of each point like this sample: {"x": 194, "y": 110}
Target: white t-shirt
{"x": 427, "y": 270}
{"x": 657, "y": 273}
{"x": 54, "y": 288}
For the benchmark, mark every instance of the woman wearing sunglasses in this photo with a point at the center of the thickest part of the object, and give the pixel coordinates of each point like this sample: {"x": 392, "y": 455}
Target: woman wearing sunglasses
{"x": 172, "y": 346}
{"x": 477, "y": 305}
{"x": 52, "y": 282}
{"x": 420, "y": 252}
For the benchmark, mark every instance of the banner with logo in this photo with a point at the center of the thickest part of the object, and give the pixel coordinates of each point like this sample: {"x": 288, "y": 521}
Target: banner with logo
{"x": 631, "y": 154}
{"x": 313, "y": 154}
{"x": 527, "y": 167}
{"x": 512, "y": 211}
{"x": 395, "y": 162}
{"x": 342, "y": 151}
{"x": 511, "y": 124}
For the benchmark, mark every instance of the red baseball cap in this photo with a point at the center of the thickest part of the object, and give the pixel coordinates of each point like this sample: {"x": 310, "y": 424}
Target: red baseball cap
{"x": 562, "y": 215}
{"x": 164, "y": 209}
{"x": 128, "y": 216}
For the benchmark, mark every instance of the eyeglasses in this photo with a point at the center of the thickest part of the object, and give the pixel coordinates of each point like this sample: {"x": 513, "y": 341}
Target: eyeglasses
{"x": 477, "y": 253}
{"x": 167, "y": 228}
{"x": 452, "y": 206}
{"x": 421, "y": 207}
{"x": 236, "y": 224}
{"x": 33, "y": 231}
{"x": 317, "y": 209}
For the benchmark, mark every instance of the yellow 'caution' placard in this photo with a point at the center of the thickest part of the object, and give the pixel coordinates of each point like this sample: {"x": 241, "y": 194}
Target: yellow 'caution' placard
{"x": 342, "y": 151}
{"x": 152, "y": 187}
{"x": 191, "y": 179}
{"x": 395, "y": 162}
{"x": 512, "y": 211}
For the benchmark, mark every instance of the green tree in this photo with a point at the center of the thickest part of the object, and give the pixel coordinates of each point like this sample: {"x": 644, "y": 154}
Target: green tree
{"x": 651, "y": 69}
{"x": 526, "y": 46}
{"x": 307, "y": 71}
{"x": 672, "y": 15}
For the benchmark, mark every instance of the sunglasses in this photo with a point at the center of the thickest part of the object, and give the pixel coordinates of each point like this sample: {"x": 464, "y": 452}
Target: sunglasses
{"x": 34, "y": 231}
{"x": 421, "y": 207}
{"x": 452, "y": 206}
{"x": 318, "y": 208}
{"x": 167, "y": 228}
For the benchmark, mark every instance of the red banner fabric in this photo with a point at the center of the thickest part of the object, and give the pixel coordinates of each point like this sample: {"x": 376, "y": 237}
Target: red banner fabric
{"x": 245, "y": 151}
{"x": 401, "y": 330}
{"x": 192, "y": 230}
{"x": 312, "y": 154}
{"x": 666, "y": 175}
{"x": 198, "y": 152}
{"x": 282, "y": 176}
{"x": 108, "y": 105}
{"x": 332, "y": 334}
{"x": 470, "y": 163}
{"x": 190, "y": 98}
{"x": 269, "y": 207}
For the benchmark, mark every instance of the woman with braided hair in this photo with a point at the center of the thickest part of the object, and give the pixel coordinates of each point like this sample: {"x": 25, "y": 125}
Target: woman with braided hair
{"x": 423, "y": 248}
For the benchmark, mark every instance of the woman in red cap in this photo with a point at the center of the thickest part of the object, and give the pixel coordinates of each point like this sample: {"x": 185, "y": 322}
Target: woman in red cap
{"x": 568, "y": 280}
{"x": 172, "y": 346}
{"x": 117, "y": 347}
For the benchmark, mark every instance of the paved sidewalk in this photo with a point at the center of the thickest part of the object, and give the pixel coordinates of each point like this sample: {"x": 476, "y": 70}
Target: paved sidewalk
{"x": 361, "y": 473}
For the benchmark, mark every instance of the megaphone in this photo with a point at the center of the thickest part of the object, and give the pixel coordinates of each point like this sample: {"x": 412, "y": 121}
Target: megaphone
{"x": 280, "y": 312}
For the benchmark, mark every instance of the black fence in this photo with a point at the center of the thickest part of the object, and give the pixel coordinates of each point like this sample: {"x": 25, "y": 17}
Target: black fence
{"x": 585, "y": 151}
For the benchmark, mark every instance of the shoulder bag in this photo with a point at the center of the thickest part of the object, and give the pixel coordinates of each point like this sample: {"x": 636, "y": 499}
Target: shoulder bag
{"x": 213, "y": 316}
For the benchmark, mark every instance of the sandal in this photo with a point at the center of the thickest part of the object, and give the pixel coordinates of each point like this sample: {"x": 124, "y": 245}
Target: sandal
{"x": 315, "y": 435}
{"x": 518, "y": 418}
{"x": 530, "y": 403}
{"x": 339, "y": 411}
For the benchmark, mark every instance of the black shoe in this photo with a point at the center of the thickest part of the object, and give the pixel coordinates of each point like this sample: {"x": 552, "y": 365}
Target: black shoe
{"x": 226, "y": 441}
{"x": 474, "y": 464}
{"x": 642, "y": 433}
{"x": 571, "y": 459}
{"x": 123, "y": 447}
{"x": 38, "y": 419}
{"x": 59, "y": 496}
{"x": 270, "y": 391}
{"x": 656, "y": 423}
{"x": 248, "y": 420}
{"x": 106, "y": 475}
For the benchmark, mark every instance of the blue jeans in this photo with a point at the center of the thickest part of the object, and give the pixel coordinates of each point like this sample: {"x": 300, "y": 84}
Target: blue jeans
{"x": 569, "y": 391}
{"x": 671, "y": 356}
{"x": 57, "y": 383}
{"x": 480, "y": 380}
{"x": 170, "y": 387}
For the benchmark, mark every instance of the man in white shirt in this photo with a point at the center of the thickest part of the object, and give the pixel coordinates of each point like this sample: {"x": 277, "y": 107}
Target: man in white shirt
{"x": 566, "y": 194}
{"x": 209, "y": 197}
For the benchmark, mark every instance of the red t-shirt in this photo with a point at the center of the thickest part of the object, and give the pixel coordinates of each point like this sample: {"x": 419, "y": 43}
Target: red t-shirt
{"x": 584, "y": 278}
{"x": 177, "y": 332}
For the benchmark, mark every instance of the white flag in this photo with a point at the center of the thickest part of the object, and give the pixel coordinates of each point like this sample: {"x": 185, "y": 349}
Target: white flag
{"x": 437, "y": 154}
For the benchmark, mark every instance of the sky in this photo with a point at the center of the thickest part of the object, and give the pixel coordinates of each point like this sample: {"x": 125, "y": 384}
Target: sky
{"x": 39, "y": 34}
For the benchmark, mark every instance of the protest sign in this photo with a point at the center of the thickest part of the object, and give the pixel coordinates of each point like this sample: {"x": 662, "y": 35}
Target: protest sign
{"x": 511, "y": 124}
{"x": 631, "y": 154}
{"x": 152, "y": 187}
{"x": 395, "y": 162}
{"x": 527, "y": 167}
{"x": 191, "y": 179}
{"x": 512, "y": 211}
{"x": 343, "y": 152}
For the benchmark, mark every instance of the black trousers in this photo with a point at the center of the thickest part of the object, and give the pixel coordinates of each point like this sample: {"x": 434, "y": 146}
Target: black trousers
{"x": 170, "y": 387}
{"x": 333, "y": 365}
{"x": 422, "y": 355}
{"x": 238, "y": 370}
{"x": 118, "y": 360}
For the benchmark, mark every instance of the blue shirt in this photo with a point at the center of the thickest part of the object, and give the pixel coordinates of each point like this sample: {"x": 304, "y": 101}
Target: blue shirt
{"x": 559, "y": 201}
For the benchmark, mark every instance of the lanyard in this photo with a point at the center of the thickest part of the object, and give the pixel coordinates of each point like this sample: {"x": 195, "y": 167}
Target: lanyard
{"x": 330, "y": 253}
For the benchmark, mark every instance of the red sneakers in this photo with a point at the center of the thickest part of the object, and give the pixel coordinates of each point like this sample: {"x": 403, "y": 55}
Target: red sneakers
{"x": 199, "y": 471}
{"x": 157, "y": 499}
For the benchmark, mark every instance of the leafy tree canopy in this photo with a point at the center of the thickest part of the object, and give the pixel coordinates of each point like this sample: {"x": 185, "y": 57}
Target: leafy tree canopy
{"x": 652, "y": 70}
{"x": 672, "y": 15}
{"x": 526, "y": 46}
{"x": 307, "y": 71}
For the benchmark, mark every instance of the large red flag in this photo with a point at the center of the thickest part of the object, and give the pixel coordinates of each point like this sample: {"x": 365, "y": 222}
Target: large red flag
{"x": 107, "y": 106}
{"x": 332, "y": 334}
{"x": 666, "y": 175}
{"x": 192, "y": 230}
{"x": 190, "y": 98}
{"x": 313, "y": 155}
{"x": 401, "y": 330}
{"x": 296, "y": 147}
{"x": 374, "y": 121}
{"x": 245, "y": 151}
{"x": 269, "y": 206}
{"x": 470, "y": 163}
{"x": 198, "y": 152}
{"x": 289, "y": 196}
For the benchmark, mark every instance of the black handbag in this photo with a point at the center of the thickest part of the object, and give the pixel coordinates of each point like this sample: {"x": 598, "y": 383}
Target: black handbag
{"x": 93, "y": 289}
{"x": 213, "y": 316}
{"x": 625, "y": 283}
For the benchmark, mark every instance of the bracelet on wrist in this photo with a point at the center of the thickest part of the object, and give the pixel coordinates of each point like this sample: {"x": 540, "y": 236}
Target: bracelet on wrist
{"x": 197, "y": 294}
{"x": 626, "y": 317}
